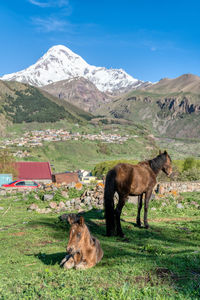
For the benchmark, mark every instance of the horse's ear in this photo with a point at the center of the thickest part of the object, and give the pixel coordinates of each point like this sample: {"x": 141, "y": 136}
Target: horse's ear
{"x": 81, "y": 221}
{"x": 165, "y": 152}
{"x": 160, "y": 152}
{"x": 70, "y": 219}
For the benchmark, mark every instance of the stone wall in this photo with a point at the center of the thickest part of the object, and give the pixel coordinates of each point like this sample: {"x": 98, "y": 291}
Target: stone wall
{"x": 179, "y": 187}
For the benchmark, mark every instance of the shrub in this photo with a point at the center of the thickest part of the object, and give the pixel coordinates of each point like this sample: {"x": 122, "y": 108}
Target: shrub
{"x": 190, "y": 175}
{"x": 189, "y": 163}
{"x": 7, "y": 163}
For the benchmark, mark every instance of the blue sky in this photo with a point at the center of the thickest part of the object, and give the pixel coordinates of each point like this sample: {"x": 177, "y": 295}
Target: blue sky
{"x": 149, "y": 39}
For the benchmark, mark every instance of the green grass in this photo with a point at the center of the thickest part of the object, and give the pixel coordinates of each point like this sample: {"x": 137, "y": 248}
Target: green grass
{"x": 160, "y": 263}
{"x": 72, "y": 155}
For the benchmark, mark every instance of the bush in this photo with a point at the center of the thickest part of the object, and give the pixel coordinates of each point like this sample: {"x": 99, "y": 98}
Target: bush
{"x": 190, "y": 175}
{"x": 7, "y": 163}
{"x": 189, "y": 163}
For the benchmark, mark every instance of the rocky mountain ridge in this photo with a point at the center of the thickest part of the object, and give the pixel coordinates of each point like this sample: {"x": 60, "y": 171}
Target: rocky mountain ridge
{"x": 171, "y": 107}
{"x": 80, "y": 92}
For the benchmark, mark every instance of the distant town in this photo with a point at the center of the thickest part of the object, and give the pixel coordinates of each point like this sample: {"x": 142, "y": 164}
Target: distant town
{"x": 36, "y": 138}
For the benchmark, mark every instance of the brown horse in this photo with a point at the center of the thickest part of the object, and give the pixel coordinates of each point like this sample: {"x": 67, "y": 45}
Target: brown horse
{"x": 84, "y": 250}
{"x": 134, "y": 180}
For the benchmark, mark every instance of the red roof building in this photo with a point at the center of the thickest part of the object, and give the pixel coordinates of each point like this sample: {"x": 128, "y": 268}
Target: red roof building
{"x": 39, "y": 171}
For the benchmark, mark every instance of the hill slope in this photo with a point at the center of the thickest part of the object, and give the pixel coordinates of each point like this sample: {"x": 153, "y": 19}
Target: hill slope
{"x": 170, "y": 107}
{"x": 23, "y": 103}
{"x": 79, "y": 91}
{"x": 187, "y": 83}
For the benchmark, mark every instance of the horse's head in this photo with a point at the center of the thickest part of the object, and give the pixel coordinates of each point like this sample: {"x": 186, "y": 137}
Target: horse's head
{"x": 77, "y": 235}
{"x": 167, "y": 167}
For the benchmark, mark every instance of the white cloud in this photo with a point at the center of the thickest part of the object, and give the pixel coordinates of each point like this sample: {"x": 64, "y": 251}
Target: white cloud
{"x": 50, "y": 3}
{"x": 50, "y": 24}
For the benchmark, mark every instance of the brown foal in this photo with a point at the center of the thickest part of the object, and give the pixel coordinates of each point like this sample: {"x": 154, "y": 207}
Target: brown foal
{"x": 84, "y": 250}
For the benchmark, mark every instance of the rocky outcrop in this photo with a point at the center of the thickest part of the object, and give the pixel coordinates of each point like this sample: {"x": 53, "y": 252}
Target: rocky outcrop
{"x": 80, "y": 92}
{"x": 177, "y": 105}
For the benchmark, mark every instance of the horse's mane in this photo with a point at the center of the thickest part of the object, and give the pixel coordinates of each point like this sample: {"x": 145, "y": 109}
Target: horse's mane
{"x": 157, "y": 163}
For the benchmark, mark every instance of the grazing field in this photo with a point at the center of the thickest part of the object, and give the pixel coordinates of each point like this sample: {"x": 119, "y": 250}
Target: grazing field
{"x": 160, "y": 263}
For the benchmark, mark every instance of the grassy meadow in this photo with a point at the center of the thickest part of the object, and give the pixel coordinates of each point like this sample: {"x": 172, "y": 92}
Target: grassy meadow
{"x": 160, "y": 263}
{"x": 84, "y": 154}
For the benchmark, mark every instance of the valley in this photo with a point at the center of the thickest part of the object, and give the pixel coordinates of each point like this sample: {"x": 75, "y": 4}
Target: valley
{"x": 75, "y": 115}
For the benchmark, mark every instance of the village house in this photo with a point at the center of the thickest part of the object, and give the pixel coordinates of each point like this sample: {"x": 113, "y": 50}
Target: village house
{"x": 67, "y": 178}
{"x": 36, "y": 171}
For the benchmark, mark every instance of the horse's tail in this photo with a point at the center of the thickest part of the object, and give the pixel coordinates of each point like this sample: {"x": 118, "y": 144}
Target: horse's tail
{"x": 109, "y": 202}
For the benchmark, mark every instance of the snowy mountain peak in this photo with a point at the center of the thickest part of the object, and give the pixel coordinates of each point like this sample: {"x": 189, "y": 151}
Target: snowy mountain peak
{"x": 60, "y": 63}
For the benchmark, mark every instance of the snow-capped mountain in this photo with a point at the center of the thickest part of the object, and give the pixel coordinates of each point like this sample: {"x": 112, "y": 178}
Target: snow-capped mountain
{"x": 60, "y": 63}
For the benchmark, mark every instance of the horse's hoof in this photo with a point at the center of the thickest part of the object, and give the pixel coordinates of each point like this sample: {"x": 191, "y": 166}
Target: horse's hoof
{"x": 146, "y": 226}
{"x": 138, "y": 225}
{"x": 109, "y": 234}
{"x": 120, "y": 234}
{"x": 63, "y": 262}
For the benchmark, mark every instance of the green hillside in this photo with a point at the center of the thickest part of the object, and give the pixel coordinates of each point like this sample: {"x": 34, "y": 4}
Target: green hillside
{"x": 23, "y": 103}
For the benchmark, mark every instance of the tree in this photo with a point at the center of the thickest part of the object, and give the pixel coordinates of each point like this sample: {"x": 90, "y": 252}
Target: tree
{"x": 7, "y": 163}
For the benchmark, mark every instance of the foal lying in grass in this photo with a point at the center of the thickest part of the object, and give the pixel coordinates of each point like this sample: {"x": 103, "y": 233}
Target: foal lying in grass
{"x": 84, "y": 250}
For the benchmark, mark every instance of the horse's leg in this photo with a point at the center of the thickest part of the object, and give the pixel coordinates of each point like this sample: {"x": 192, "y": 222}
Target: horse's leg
{"x": 118, "y": 211}
{"x": 69, "y": 264}
{"x": 146, "y": 204}
{"x": 138, "y": 222}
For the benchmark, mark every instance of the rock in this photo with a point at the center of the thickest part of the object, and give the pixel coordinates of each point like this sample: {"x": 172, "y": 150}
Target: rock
{"x": 65, "y": 194}
{"x": 87, "y": 200}
{"x": 179, "y": 205}
{"x": 53, "y": 205}
{"x": 1, "y": 208}
{"x": 153, "y": 208}
{"x": 43, "y": 210}
{"x": 133, "y": 200}
{"x": 2, "y": 192}
{"x": 61, "y": 204}
{"x": 77, "y": 201}
{"x": 81, "y": 211}
{"x": 37, "y": 197}
{"x": 164, "y": 204}
{"x": 54, "y": 188}
{"x": 71, "y": 185}
{"x": 48, "y": 189}
{"x": 161, "y": 190}
{"x": 77, "y": 207}
{"x": 72, "y": 201}
{"x": 60, "y": 209}
{"x": 47, "y": 197}
{"x": 33, "y": 206}
{"x": 67, "y": 203}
